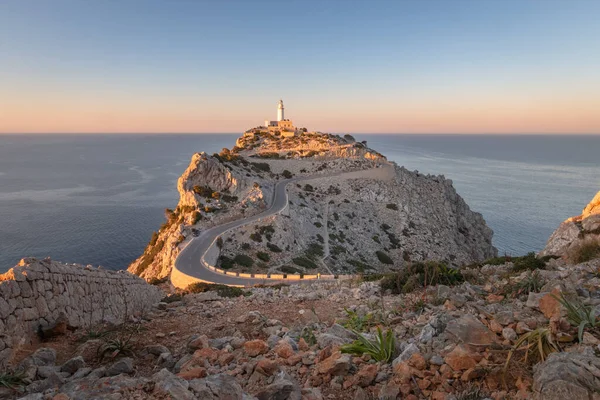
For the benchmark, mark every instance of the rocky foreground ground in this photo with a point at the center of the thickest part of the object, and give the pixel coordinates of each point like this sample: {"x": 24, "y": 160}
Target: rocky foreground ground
{"x": 441, "y": 341}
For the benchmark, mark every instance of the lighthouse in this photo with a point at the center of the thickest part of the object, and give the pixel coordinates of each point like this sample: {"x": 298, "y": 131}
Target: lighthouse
{"x": 280, "y": 111}
{"x": 282, "y": 126}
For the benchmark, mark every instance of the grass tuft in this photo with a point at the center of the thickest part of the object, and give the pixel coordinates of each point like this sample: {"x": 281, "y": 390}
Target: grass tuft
{"x": 380, "y": 349}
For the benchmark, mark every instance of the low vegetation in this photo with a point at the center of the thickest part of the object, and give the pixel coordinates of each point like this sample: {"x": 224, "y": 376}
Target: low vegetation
{"x": 585, "y": 251}
{"x": 381, "y": 349}
{"x": 421, "y": 274}
{"x": 274, "y": 248}
{"x": 304, "y": 262}
{"x": 263, "y": 256}
{"x": 117, "y": 347}
{"x": 579, "y": 315}
{"x": 384, "y": 258}
{"x": 12, "y": 379}
{"x": 528, "y": 262}
{"x": 536, "y": 345}
{"x": 222, "y": 290}
{"x": 243, "y": 260}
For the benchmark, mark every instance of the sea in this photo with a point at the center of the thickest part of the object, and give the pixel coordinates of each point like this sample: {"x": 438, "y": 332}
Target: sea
{"x": 96, "y": 199}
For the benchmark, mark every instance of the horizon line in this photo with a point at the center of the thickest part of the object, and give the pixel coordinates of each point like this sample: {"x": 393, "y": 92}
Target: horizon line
{"x": 334, "y": 133}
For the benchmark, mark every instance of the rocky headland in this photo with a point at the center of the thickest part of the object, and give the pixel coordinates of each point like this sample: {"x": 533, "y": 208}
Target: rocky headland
{"x": 350, "y": 211}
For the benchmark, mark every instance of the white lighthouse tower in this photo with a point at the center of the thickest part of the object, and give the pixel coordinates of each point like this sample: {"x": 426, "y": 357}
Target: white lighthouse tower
{"x": 280, "y": 110}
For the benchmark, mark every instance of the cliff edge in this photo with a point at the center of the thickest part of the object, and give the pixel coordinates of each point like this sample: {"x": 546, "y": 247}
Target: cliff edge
{"x": 577, "y": 234}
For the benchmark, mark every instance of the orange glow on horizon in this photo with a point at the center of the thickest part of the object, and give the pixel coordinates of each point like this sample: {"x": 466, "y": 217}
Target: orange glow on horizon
{"x": 62, "y": 115}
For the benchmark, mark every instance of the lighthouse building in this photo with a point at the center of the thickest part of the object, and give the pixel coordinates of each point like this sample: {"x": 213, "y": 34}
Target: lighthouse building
{"x": 285, "y": 126}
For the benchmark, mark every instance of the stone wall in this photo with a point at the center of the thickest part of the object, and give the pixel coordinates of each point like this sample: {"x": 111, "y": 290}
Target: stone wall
{"x": 36, "y": 292}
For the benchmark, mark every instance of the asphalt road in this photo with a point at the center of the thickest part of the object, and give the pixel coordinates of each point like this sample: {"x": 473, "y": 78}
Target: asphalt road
{"x": 189, "y": 260}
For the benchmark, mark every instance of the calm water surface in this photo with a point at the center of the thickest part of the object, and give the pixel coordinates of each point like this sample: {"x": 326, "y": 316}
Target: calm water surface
{"x": 96, "y": 199}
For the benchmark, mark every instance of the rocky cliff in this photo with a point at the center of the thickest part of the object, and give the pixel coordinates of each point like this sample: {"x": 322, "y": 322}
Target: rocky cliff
{"x": 350, "y": 211}
{"x": 577, "y": 237}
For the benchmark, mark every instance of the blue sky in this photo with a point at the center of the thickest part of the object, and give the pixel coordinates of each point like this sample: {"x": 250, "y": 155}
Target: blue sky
{"x": 368, "y": 66}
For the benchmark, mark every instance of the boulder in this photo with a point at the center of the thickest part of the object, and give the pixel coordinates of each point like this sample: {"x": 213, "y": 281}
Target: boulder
{"x": 122, "y": 366}
{"x": 283, "y": 388}
{"x": 460, "y": 359}
{"x": 73, "y": 365}
{"x": 256, "y": 347}
{"x": 167, "y": 384}
{"x": 570, "y": 376}
{"x": 469, "y": 330}
{"x": 217, "y": 387}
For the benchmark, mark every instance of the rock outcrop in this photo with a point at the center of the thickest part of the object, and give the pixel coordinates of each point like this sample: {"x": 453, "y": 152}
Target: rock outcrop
{"x": 576, "y": 232}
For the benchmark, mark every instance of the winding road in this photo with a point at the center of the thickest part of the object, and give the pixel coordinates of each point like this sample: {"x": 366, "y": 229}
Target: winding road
{"x": 190, "y": 265}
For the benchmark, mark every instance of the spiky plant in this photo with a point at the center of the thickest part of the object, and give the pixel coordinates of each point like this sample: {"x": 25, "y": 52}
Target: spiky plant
{"x": 380, "y": 349}
{"x": 578, "y": 314}
{"x": 116, "y": 347}
{"x": 12, "y": 379}
{"x": 537, "y": 344}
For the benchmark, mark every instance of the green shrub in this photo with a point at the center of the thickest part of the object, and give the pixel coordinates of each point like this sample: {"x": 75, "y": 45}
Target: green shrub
{"x": 196, "y": 217}
{"x": 274, "y": 248}
{"x": 204, "y": 191}
{"x": 318, "y": 224}
{"x": 308, "y": 188}
{"x": 228, "y": 198}
{"x": 392, "y": 206}
{"x": 384, "y": 258}
{"x": 261, "y": 167}
{"x": 287, "y": 174}
{"x": 222, "y": 290}
{"x": 246, "y": 246}
{"x": 497, "y": 260}
{"x": 304, "y": 262}
{"x": 528, "y": 262}
{"x": 263, "y": 256}
{"x": 314, "y": 250}
{"x": 356, "y": 322}
{"x": 421, "y": 274}
{"x": 243, "y": 260}
{"x": 288, "y": 269}
{"x": 257, "y": 237}
{"x": 226, "y": 262}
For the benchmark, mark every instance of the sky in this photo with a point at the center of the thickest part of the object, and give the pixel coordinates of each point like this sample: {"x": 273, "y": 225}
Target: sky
{"x": 393, "y": 66}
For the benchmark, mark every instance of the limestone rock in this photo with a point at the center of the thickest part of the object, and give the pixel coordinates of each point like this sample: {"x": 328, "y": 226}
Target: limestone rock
{"x": 122, "y": 366}
{"x": 575, "y": 230}
{"x": 470, "y": 331}
{"x": 570, "y": 376}
{"x": 73, "y": 365}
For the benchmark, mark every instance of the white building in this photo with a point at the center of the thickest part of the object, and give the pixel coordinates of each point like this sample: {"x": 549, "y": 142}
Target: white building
{"x": 285, "y": 126}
